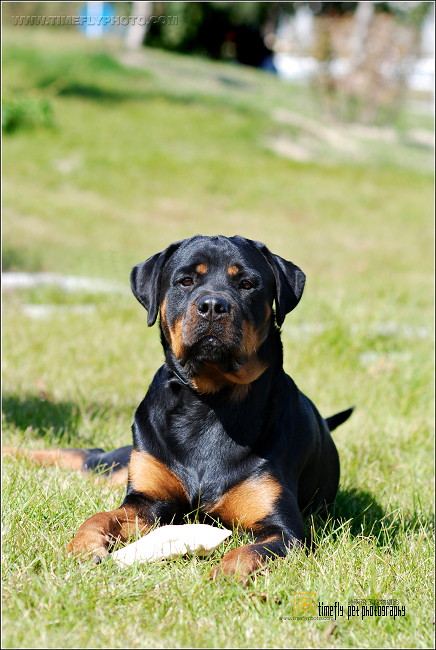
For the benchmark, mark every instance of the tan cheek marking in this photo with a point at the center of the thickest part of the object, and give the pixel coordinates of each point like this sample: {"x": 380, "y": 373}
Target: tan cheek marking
{"x": 250, "y": 338}
{"x": 187, "y": 325}
{"x": 163, "y": 320}
{"x": 176, "y": 337}
{"x": 201, "y": 268}
{"x": 253, "y": 339}
{"x": 152, "y": 478}
{"x": 249, "y": 502}
{"x": 163, "y": 309}
{"x": 233, "y": 270}
{"x": 172, "y": 334}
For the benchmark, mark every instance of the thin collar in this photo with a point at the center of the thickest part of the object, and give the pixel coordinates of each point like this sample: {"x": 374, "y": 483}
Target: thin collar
{"x": 179, "y": 377}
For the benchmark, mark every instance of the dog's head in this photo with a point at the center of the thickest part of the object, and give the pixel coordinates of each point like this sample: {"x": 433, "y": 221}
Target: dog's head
{"x": 215, "y": 296}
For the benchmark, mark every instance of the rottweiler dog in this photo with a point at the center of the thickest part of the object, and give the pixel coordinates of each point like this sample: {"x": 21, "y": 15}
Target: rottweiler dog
{"x": 223, "y": 431}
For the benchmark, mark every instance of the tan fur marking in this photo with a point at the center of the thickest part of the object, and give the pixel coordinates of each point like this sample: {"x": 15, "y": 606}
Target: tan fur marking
{"x": 233, "y": 270}
{"x": 176, "y": 337}
{"x": 172, "y": 334}
{"x": 201, "y": 268}
{"x": 151, "y": 477}
{"x": 243, "y": 560}
{"x": 248, "y": 502}
{"x": 240, "y": 562}
{"x": 253, "y": 339}
{"x": 239, "y": 392}
{"x": 212, "y": 380}
{"x": 250, "y": 338}
{"x": 163, "y": 319}
{"x": 96, "y": 535}
{"x": 249, "y": 372}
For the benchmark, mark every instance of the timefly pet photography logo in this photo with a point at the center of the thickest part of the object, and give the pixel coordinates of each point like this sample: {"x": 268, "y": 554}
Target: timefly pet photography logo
{"x": 307, "y": 607}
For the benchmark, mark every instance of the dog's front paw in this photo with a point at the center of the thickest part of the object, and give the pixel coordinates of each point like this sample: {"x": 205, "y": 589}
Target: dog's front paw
{"x": 89, "y": 545}
{"x": 238, "y": 563}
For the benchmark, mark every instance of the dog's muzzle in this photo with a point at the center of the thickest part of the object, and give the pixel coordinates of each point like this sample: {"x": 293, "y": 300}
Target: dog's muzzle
{"x": 212, "y": 336}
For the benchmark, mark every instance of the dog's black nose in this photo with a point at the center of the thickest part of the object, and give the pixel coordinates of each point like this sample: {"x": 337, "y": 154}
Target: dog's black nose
{"x": 212, "y": 307}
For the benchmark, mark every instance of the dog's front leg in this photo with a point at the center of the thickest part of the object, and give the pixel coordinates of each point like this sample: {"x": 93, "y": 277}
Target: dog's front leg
{"x": 270, "y": 513}
{"x": 244, "y": 560}
{"x": 154, "y": 493}
{"x": 100, "y": 532}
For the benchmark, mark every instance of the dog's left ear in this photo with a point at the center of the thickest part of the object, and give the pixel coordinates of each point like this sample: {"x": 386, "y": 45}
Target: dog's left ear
{"x": 145, "y": 281}
{"x": 290, "y": 282}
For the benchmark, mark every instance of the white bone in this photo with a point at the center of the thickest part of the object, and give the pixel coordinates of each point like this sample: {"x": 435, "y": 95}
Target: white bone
{"x": 172, "y": 541}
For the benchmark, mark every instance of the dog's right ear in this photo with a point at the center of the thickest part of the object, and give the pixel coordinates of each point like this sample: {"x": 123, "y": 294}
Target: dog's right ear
{"x": 145, "y": 281}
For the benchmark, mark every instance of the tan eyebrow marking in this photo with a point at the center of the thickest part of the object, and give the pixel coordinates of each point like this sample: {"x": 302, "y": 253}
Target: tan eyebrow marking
{"x": 201, "y": 268}
{"x": 233, "y": 270}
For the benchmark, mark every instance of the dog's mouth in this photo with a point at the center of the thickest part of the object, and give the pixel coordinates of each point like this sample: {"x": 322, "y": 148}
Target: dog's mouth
{"x": 211, "y": 349}
{"x": 210, "y": 340}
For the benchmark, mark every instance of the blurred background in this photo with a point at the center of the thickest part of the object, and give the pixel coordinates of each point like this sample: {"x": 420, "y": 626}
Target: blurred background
{"x": 164, "y": 119}
{"x": 306, "y": 125}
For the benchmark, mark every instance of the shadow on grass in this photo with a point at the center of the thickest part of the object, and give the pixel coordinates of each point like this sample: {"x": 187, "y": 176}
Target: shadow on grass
{"x": 60, "y": 423}
{"x": 110, "y": 95}
{"x": 98, "y": 93}
{"x": 60, "y": 419}
{"x": 359, "y": 512}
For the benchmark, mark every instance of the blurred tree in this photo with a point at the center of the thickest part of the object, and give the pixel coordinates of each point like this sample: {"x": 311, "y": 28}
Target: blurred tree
{"x": 222, "y": 30}
{"x": 365, "y": 51}
{"x": 138, "y": 28}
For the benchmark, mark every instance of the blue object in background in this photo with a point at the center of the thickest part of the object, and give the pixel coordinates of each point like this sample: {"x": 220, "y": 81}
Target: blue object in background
{"x": 96, "y": 18}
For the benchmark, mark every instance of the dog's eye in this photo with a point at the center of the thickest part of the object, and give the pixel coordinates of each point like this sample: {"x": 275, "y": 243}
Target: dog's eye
{"x": 245, "y": 284}
{"x": 187, "y": 282}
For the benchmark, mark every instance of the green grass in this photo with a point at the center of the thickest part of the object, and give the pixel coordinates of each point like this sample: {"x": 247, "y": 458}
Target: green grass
{"x": 140, "y": 157}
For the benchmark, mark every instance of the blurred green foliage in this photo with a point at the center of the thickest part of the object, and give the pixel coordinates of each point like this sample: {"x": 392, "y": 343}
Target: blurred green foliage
{"x": 26, "y": 112}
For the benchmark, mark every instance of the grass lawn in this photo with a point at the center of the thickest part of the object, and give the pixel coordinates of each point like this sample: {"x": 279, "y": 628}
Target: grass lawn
{"x": 146, "y": 151}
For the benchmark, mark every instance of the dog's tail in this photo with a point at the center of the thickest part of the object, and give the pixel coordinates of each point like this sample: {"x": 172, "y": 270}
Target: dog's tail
{"x": 335, "y": 420}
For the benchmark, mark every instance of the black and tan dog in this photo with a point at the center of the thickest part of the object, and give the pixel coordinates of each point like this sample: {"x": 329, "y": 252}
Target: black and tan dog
{"x": 222, "y": 431}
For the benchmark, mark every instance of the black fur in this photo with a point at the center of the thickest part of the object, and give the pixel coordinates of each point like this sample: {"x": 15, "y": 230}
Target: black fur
{"x": 214, "y": 441}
